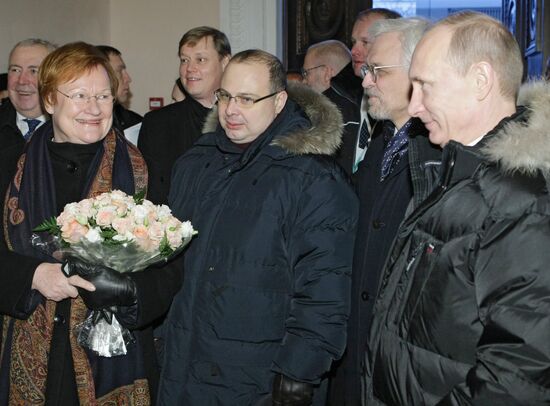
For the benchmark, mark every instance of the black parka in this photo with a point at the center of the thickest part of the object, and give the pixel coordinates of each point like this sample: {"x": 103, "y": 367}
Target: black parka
{"x": 267, "y": 279}
{"x": 462, "y": 314}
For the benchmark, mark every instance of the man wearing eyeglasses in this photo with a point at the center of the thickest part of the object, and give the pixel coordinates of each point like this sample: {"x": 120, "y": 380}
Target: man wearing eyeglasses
{"x": 383, "y": 182}
{"x": 462, "y": 315}
{"x": 22, "y": 113}
{"x": 169, "y": 132}
{"x": 328, "y": 69}
{"x": 262, "y": 311}
{"x": 361, "y": 43}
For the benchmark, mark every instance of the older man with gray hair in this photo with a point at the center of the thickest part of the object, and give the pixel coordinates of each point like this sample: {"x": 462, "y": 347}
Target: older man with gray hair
{"x": 384, "y": 178}
{"x": 22, "y": 114}
{"x": 462, "y": 315}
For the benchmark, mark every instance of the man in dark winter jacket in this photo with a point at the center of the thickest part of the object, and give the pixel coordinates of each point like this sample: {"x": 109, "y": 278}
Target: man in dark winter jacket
{"x": 462, "y": 314}
{"x": 328, "y": 69}
{"x": 383, "y": 183}
{"x": 263, "y": 309}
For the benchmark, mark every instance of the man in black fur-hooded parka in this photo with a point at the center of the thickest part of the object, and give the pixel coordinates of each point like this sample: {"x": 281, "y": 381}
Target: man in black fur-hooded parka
{"x": 462, "y": 315}
{"x": 265, "y": 299}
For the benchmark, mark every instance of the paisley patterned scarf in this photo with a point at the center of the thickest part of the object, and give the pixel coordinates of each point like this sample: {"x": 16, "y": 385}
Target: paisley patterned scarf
{"x": 26, "y": 343}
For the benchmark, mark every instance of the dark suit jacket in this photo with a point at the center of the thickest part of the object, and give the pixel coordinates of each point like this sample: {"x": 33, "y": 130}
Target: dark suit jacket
{"x": 350, "y": 115}
{"x": 346, "y": 92}
{"x": 124, "y": 118}
{"x": 165, "y": 135}
{"x": 382, "y": 208}
{"x": 10, "y": 136}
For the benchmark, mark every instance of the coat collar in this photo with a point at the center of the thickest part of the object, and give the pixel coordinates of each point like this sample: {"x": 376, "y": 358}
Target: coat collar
{"x": 523, "y": 144}
{"x": 323, "y": 137}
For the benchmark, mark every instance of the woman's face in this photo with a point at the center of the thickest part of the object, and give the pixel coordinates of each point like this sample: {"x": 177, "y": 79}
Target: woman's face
{"x": 82, "y": 110}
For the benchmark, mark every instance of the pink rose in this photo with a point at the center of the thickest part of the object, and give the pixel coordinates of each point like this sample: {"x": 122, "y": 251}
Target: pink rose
{"x": 86, "y": 208}
{"x": 122, "y": 224}
{"x": 140, "y": 231}
{"x": 105, "y": 216}
{"x": 64, "y": 218}
{"x": 73, "y": 231}
{"x": 156, "y": 231}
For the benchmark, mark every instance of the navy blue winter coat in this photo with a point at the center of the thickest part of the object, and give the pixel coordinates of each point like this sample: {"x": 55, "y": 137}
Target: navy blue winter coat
{"x": 267, "y": 279}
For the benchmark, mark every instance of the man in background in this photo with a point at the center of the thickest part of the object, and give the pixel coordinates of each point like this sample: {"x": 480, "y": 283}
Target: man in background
{"x": 22, "y": 113}
{"x": 361, "y": 44}
{"x": 328, "y": 69}
{"x": 3, "y": 86}
{"x": 167, "y": 133}
{"x": 124, "y": 119}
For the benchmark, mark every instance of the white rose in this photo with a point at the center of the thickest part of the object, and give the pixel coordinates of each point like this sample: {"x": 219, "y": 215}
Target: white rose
{"x": 139, "y": 213}
{"x": 118, "y": 195}
{"x": 163, "y": 212}
{"x": 94, "y": 235}
{"x": 71, "y": 208}
{"x": 187, "y": 229}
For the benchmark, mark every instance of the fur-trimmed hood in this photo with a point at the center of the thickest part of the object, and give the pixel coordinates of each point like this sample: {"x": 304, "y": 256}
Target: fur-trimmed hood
{"x": 524, "y": 145}
{"x": 323, "y": 137}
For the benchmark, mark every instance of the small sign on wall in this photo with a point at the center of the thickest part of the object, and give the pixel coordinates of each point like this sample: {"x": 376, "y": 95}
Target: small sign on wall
{"x": 156, "y": 103}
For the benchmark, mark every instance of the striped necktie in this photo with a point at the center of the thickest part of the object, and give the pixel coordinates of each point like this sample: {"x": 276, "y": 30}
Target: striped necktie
{"x": 364, "y": 135}
{"x": 32, "y": 123}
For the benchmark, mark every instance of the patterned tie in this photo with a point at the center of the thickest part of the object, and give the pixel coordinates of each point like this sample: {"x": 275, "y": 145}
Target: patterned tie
{"x": 395, "y": 148}
{"x": 32, "y": 123}
{"x": 363, "y": 135}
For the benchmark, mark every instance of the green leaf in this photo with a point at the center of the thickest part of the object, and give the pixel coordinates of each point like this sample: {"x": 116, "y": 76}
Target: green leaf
{"x": 108, "y": 234}
{"x": 50, "y": 226}
{"x": 139, "y": 196}
{"x": 164, "y": 248}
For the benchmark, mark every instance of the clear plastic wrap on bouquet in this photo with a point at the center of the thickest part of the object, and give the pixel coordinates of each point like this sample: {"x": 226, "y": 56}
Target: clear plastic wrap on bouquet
{"x": 123, "y": 257}
{"x": 125, "y": 233}
{"x": 100, "y": 331}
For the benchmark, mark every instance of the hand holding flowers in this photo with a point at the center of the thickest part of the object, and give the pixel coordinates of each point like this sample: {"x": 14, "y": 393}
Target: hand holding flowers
{"x": 117, "y": 231}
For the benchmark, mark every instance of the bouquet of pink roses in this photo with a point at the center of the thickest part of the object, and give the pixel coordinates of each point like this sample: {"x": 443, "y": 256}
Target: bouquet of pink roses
{"x": 125, "y": 233}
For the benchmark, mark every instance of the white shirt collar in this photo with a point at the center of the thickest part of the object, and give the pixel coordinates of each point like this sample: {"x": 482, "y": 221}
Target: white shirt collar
{"x": 22, "y": 124}
{"x": 474, "y": 142}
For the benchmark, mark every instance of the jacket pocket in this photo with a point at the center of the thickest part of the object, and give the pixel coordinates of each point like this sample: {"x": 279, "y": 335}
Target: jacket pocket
{"x": 418, "y": 269}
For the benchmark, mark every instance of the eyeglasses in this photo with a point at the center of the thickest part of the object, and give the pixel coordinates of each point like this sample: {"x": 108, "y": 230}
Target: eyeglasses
{"x": 242, "y": 101}
{"x": 305, "y": 72}
{"x": 83, "y": 98}
{"x": 373, "y": 70}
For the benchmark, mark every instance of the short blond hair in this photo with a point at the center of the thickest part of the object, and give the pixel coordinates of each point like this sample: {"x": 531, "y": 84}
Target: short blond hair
{"x": 477, "y": 37}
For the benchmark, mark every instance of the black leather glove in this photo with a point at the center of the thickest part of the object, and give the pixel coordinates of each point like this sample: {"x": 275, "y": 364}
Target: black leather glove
{"x": 112, "y": 288}
{"x": 287, "y": 392}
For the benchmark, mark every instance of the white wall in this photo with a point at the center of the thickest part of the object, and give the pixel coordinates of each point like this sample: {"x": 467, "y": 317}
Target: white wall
{"x": 147, "y": 33}
{"x": 58, "y": 21}
{"x": 253, "y": 24}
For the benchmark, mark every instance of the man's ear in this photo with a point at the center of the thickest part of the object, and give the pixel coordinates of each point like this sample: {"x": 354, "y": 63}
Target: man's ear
{"x": 328, "y": 74}
{"x": 484, "y": 79}
{"x": 280, "y": 101}
{"x": 225, "y": 61}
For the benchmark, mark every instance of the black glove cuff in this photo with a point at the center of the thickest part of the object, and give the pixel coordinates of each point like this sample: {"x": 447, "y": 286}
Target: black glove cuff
{"x": 288, "y": 392}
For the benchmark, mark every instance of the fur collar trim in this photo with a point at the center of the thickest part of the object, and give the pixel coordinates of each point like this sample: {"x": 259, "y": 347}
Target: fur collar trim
{"x": 323, "y": 137}
{"x": 524, "y": 145}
